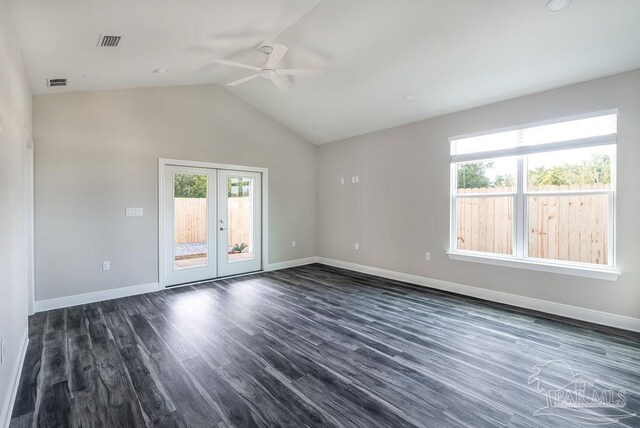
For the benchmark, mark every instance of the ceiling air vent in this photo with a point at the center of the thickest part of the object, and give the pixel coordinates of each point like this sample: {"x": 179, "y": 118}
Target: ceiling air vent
{"x": 56, "y": 82}
{"x": 108, "y": 41}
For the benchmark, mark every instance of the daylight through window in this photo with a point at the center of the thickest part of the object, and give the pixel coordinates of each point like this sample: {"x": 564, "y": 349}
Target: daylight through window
{"x": 542, "y": 193}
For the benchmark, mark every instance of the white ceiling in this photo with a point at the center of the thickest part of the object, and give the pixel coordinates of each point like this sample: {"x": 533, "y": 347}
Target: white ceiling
{"x": 452, "y": 54}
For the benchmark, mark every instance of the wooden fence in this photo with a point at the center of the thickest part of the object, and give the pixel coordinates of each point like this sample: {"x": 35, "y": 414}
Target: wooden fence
{"x": 191, "y": 220}
{"x": 573, "y": 228}
{"x": 239, "y": 216}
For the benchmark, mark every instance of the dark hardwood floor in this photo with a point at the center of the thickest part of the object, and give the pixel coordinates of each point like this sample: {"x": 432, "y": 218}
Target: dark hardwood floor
{"x": 318, "y": 346}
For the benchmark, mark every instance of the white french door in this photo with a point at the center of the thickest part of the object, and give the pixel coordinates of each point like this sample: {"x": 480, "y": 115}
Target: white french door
{"x": 189, "y": 231}
{"x": 239, "y": 222}
{"x": 212, "y": 223}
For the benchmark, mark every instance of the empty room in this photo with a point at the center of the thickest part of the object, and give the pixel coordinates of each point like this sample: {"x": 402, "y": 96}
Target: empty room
{"x": 304, "y": 213}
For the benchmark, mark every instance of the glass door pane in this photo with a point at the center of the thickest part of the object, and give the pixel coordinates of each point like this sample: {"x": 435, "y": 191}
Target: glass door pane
{"x": 190, "y": 220}
{"x": 240, "y": 245}
{"x": 239, "y": 222}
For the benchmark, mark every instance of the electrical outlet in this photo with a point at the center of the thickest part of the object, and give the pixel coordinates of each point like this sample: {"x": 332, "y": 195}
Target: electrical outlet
{"x": 427, "y": 256}
{"x": 2, "y": 351}
{"x": 357, "y": 246}
{"x": 341, "y": 180}
{"x": 293, "y": 243}
{"x": 357, "y": 179}
{"x": 106, "y": 265}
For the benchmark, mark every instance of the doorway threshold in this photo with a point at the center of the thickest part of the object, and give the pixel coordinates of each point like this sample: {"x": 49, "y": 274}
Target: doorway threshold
{"x": 214, "y": 279}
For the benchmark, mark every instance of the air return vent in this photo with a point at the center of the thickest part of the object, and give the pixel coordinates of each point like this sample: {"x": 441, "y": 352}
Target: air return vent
{"x": 56, "y": 82}
{"x": 108, "y": 41}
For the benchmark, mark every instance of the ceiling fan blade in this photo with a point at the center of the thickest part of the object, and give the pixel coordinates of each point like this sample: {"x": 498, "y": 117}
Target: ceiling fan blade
{"x": 280, "y": 84}
{"x": 299, "y": 72}
{"x": 245, "y": 79}
{"x": 276, "y": 55}
{"x": 235, "y": 64}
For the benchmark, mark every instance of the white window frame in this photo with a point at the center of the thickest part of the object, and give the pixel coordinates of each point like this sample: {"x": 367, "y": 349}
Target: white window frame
{"x": 520, "y": 257}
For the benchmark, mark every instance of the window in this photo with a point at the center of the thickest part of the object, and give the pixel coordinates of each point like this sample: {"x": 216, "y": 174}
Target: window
{"x": 539, "y": 197}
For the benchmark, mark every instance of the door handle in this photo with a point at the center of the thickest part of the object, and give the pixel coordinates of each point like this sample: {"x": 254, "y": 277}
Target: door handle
{"x": 222, "y": 228}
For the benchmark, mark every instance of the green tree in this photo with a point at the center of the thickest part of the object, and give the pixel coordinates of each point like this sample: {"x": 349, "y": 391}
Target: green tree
{"x": 472, "y": 175}
{"x": 596, "y": 170}
{"x": 238, "y": 187}
{"x": 504, "y": 181}
{"x": 190, "y": 186}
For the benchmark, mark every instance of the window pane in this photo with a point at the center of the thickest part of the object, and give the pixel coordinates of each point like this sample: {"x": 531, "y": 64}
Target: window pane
{"x": 543, "y": 134}
{"x": 240, "y": 244}
{"x": 571, "y": 130}
{"x": 190, "y": 220}
{"x": 571, "y": 228}
{"x": 487, "y": 176}
{"x": 485, "y": 143}
{"x": 577, "y": 169}
{"x": 485, "y": 224}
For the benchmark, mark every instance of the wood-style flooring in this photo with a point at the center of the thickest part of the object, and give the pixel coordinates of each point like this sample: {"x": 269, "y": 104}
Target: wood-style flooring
{"x": 317, "y": 346}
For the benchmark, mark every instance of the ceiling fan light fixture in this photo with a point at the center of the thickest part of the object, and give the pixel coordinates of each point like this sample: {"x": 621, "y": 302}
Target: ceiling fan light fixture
{"x": 558, "y": 5}
{"x": 270, "y": 71}
{"x": 267, "y": 73}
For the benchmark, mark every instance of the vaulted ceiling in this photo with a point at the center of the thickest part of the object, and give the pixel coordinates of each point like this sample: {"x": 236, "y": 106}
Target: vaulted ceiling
{"x": 450, "y": 54}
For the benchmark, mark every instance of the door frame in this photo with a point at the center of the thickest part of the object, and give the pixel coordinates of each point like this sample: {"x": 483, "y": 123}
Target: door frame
{"x": 164, "y": 162}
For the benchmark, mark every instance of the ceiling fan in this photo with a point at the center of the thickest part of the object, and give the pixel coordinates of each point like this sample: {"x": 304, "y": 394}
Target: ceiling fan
{"x": 270, "y": 71}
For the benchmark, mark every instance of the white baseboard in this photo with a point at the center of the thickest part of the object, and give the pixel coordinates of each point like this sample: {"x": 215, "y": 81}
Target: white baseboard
{"x": 561, "y": 309}
{"x": 97, "y": 296}
{"x": 7, "y": 407}
{"x": 290, "y": 264}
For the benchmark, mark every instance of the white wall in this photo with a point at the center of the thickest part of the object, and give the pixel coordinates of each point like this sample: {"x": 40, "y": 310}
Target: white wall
{"x": 97, "y": 153}
{"x": 15, "y": 105}
{"x": 400, "y": 209}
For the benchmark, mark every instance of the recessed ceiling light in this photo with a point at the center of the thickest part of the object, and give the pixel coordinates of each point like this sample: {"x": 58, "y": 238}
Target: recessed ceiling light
{"x": 409, "y": 97}
{"x": 558, "y": 5}
{"x": 91, "y": 76}
{"x": 160, "y": 71}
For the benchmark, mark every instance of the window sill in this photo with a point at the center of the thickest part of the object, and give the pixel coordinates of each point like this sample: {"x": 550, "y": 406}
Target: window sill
{"x": 584, "y": 271}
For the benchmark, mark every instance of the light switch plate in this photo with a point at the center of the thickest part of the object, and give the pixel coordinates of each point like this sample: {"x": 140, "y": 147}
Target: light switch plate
{"x": 106, "y": 265}
{"x": 134, "y": 212}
